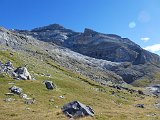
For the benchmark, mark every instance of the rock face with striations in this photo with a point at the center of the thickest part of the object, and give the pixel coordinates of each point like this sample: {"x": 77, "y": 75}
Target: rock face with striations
{"x": 110, "y": 47}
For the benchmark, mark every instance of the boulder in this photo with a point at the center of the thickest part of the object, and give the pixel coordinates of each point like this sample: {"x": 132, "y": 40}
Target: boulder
{"x": 22, "y": 73}
{"x": 140, "y": 105}
{"x": 7, "y": 67}
{"x": 50, "y": 85}
{"x": 76, "y": 109}
{"x": 9, "y": 99}
{"x": 16, "y": 90}
{"x": 9, "y": 64}
{"x": 24, "y": 96}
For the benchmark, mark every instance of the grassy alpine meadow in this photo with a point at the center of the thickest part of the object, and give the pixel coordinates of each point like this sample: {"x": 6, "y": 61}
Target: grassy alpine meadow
{"x": 73, "y": 86}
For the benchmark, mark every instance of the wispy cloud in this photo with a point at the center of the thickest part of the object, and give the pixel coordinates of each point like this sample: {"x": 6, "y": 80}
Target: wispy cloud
{"x": 153, "y": 48}
{"x": 145, "y": 39}
{"x": 132, "y": 25}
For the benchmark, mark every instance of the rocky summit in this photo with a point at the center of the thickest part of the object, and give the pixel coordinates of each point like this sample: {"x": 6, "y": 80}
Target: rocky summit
{"x": 134, "y": 63}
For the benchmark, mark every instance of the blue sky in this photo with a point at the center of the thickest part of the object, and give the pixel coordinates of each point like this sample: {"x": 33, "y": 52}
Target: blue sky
{"x": 138, "y": 20}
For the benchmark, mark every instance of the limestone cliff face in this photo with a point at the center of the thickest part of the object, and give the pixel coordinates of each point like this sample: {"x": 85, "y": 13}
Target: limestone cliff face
{"x": 110, "y": 47}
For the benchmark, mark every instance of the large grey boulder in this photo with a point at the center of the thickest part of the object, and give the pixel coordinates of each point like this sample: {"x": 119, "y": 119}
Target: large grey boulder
{"x": 16, "y": 90}
{"x": 76, "y": 109}
{"x": 22, "y": 73}
{"x": 50, "y": 85}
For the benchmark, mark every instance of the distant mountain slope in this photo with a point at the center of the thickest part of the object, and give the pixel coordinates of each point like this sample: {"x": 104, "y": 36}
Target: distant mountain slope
{"x": 90, "y": 67}
{"x": 132, "y": 62}
{"x": 94, "y": 44}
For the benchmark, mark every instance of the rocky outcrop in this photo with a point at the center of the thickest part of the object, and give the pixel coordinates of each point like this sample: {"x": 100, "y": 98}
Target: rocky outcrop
{"x": 7, "y": 67}
{"x": 153, "y": 90}
{"x": 18, "y": 73}
{"x": 22, "y": 73}
{"x": 76, "y": 109}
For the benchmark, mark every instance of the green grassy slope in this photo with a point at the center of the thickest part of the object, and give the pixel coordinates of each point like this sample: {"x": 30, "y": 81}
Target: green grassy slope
{"x": 120, "y": 106}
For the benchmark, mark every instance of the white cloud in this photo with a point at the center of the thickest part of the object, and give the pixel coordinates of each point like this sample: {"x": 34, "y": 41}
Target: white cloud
{"x": 145, "y": 39}
{"x": 153, "y": 48}
{"x": 132, "y": 24}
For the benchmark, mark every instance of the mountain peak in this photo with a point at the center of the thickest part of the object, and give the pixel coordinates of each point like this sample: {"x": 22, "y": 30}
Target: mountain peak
{"x": 89, "y": 32}
{"x": 55, "y": 26}
{"x": 49, "y": 27}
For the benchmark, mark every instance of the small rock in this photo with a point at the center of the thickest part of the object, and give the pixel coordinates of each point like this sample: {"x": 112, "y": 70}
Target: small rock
{"x": 9, "y": 99}
{"x": 140, "y": 105}
{"x": 11, "y": 83}
{"x": 30, "y": 101}
{"x": 50, "y": 85}
{"x": 157, "y": 105}
{"x": 33, "y": 78}
{"x": 56, "y": 107}
{"x": 16, "y": 90}
{"x": 24, "y": 96}
{"x": 62, "y": 97}
{"x": 51, "y": 100}
{"x": 11, "y": 54}
{"x": 48, "y": 75}
{"x": 9, "y": 64}
{"x": 154, "y": 114}
{"x": 140, "y": 92}
{"x": 28, "y": 108}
